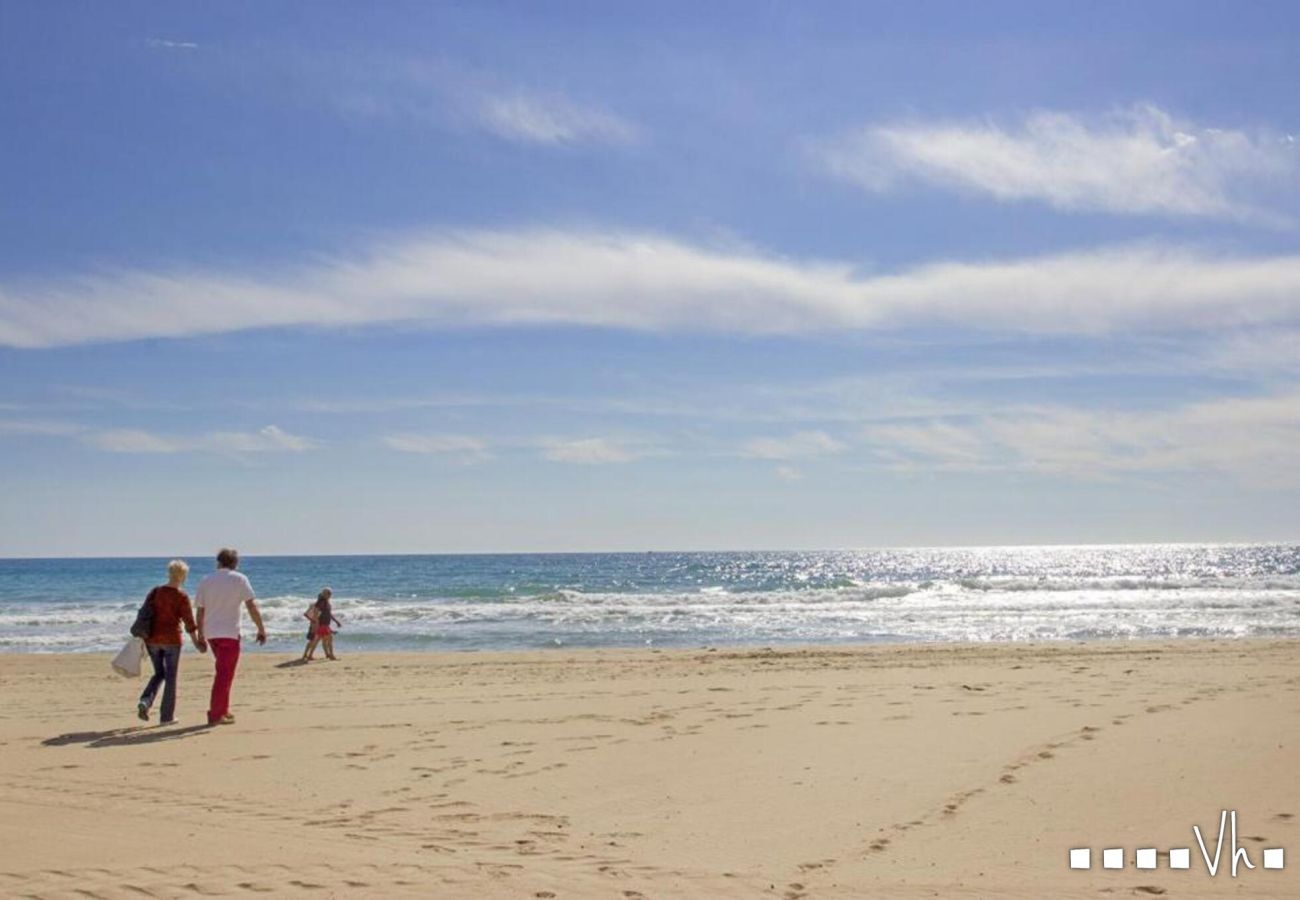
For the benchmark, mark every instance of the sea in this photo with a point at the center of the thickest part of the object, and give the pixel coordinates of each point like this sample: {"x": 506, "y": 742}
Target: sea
{"x": 535, "y": 601}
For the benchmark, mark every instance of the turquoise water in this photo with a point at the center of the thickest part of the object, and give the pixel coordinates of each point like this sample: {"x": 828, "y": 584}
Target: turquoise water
{"x": 514, "y": 601}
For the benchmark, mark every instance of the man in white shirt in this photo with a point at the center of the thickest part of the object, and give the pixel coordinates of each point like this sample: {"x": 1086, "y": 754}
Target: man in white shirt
{"x": 219, "y": 599}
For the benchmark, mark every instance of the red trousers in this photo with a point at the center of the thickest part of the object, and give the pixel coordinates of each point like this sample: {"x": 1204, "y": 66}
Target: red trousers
{"x": 225, "y": 652}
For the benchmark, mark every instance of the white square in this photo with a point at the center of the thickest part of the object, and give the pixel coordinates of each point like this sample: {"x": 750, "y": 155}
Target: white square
{"x": 1180, "y": 858}
{"x": 1081, "y": 858}
{"x": 1274, "y": 858}
{"x": 1112, "y": 858}
{"x": 1146, "y": 858}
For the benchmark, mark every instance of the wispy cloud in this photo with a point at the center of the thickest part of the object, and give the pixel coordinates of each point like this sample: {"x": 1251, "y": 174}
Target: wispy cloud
{"x": 1138, "y": 161}
{"x": 458, "y": 447}
{"x": 166, "y": 44}
{"x": 37, "y": 427}
{"x": 1251, "y": 440}
{"x": 131, "y": 440}
{"x": 551, "y": 120}
{"x": 1267, "y": 352}
{"x": 649, "y": 282}
{"x": 440, "y": 93}
{"x": 590, "y": 451}
{"x": 270, "y": 439}
{"x": 801, "y": 445}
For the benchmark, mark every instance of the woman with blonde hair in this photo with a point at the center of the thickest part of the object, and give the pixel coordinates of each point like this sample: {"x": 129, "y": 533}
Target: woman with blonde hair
{"x": 170, "y": 607}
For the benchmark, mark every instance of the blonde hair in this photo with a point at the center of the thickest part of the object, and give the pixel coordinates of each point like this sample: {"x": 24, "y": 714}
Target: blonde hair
{"x": 178, "y": 569}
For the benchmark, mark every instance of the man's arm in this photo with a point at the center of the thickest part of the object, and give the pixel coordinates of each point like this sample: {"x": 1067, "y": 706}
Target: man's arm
{"x": 256, "y": 616}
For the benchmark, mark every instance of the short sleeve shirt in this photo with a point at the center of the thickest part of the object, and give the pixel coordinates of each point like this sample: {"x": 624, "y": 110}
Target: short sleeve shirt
{"x": 221, "y": 595}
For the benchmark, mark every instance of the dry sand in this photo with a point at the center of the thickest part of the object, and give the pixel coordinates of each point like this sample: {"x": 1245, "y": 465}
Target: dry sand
{"x": 857, "y": 772}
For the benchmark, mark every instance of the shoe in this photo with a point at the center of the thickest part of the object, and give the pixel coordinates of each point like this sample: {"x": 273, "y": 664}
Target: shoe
{"x": 142, "y": 710}
{"x": 227, "y": 719}
{"x": 169, "y": 722}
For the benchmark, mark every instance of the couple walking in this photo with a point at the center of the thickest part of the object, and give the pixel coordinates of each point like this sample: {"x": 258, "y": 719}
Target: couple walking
{"x": 221, "y": 599}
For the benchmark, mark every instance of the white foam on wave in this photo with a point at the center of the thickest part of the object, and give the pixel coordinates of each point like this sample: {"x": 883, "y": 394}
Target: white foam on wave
{"x": 985, "y": 609}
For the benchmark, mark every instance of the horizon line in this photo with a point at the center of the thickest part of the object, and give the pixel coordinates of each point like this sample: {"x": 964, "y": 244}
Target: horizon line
{"x": 1276, "y": 542}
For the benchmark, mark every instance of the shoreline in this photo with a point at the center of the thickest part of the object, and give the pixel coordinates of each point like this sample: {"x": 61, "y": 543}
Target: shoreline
{"x": 777, "y": 647}
{"x": 900, "y": 770}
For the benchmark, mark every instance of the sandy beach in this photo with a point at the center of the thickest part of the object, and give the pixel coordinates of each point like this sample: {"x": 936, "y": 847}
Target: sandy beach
{"x": 895, "y": 771}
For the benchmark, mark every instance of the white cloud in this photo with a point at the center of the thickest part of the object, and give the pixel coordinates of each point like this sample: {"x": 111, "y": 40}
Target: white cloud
{"x": 270, "y": 439}
{"x": 164, "y": 44}
{"x": 37, "y": 427}
{"x": 1251, "y": 440}
{"x": 130, "y": 440}
{"x": 440, "y": 93}
{"x": 434, "y": 443}
{"x": 551, "y": 120}
{"x": 1140, "y": 161}
{"x": 1272, "y": 351}
{"x": 648, "y": 282}
{"x": 802, "y": 445}
{"x": 789, "y": 473}
{"x": 589, "y": 451}
{"x": 461, "y": 448}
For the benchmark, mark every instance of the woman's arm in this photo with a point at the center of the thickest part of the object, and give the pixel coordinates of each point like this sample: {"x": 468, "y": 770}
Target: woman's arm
{"x": 191, "y": 628}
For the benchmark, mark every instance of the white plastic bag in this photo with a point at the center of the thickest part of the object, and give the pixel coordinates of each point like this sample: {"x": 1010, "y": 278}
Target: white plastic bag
{"x": 127, "y": 662}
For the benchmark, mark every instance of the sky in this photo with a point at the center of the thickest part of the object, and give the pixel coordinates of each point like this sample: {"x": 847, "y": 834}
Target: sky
{"x": 418, "y": 277}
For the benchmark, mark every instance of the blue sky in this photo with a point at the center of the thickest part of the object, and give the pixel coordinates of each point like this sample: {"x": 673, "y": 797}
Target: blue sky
{"x": 471, "y": 277}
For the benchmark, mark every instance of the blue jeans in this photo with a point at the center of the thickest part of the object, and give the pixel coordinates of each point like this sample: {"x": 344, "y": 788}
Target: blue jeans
{"x": 166, "y": 662}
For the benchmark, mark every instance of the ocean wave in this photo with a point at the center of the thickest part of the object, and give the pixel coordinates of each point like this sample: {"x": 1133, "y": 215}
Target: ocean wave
{"x": 1128, "y": 583}
{"x": 998, "y": 594}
